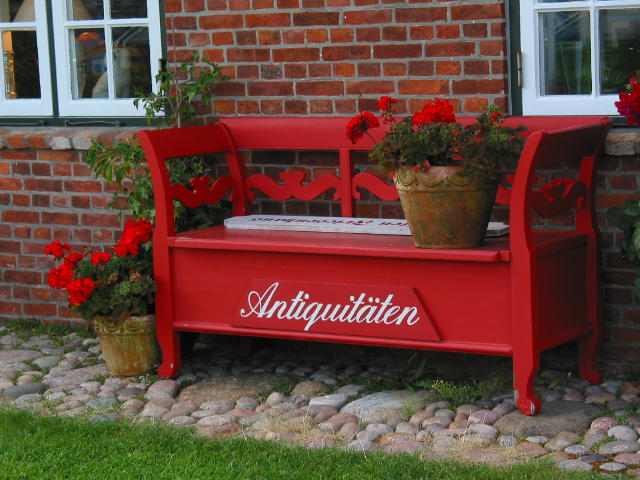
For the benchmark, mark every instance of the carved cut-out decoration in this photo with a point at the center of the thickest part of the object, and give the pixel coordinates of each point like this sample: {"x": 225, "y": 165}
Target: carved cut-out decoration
{"x": 201, "y": 191}
{"x": 375, "y": 185}
{"x": 558, "y": 196}
{"x": 292, "y": 186}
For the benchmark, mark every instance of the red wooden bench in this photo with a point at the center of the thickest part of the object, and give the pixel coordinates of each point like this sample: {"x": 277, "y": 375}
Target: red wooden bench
{"x": 515, "y": 296}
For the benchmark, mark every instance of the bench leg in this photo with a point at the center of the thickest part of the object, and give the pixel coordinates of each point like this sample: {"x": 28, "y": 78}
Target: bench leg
{"x": 587, "y": 347}
{"x": 525, "y": 368}
{"x": 169, "y": 341}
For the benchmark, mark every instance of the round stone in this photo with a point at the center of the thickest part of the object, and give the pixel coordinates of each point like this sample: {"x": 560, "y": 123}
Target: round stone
{"x": 612, "y": 467}
{"x": 507, "y": 440}
{"x": 622, "y": 432}
{"x": 604, "y": 423}
{"x": 575, "y": 466}
{"x": 576, "y": 450}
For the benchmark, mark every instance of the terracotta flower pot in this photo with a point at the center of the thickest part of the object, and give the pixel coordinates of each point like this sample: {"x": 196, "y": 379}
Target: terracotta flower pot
{"x": 129, "y": 346}
{"x": 446, "y": 207}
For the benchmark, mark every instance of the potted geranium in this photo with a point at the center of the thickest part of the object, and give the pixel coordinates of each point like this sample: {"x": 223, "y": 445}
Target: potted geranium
{"x": 446, "y": 173}
{"x": 116, "y": 292}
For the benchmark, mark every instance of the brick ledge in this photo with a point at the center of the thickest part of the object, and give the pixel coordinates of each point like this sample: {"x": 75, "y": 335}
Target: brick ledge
{"x": 620, "y": 141}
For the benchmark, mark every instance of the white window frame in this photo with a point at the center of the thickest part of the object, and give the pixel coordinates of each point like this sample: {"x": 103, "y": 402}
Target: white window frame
{"x": 31, "y": 107}
{"x": 100, "y": 107}
{"x": 533, "y": 102}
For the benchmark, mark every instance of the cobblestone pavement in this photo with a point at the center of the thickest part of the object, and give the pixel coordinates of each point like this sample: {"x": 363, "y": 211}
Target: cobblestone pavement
{"x": 326, "y": 396}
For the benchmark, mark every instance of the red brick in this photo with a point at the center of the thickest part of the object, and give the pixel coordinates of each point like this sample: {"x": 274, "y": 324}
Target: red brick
{"x": 185, "y": 23}
{"x": 42, "y": 233}
{"x": 4, "y": 168}
{"x": 498, "y": 67}
{"x": 247, "y": 71}
{"x": 341, "y": 35}
{"x": 344, "y": 69}
{"x": 370, "y": 87}
{"x": 260, "y": 4}
{"x": 421, "y": 15}
{"x": 474, "y": 30}
{"x": 295, "y": 71}
{"x": 623, "y": 182}
{"x": 307, "y": 19}
{"x": 20, "y": 200}
{"x": 296, "y": 54}
{"x": 7, "y": 246}
{"x": 450, "y": 49}
{"x": 82, "y": 186}
{"x": 7, "y": 261}
{"x": 172, "y": 6}
{"x": 20, "y": 168}
{"x": 319, "y": 70}
{"x": 40, "y": 293}
{"x": 462, "y": 87}
{"x": 59, "y": 155}
{"x": 198, "y": 39}
{"x": 313, "y": 4}
{"x": 17, "y": 139}
{"x": 269, "y": 37}
{"x": 271, "y": 72}
{"x": 271, "y": 107}
{"x": 368, "y": 34}
{"x": 22, "y": 277}
{"x": 477, "y": 12}
{"x": 268, "y": 20}
{"x": 4, "y": 200}
{"x": 21, "y": 293}
{"x": 423, "y": 87}
{"x": 193, "y": 5}
{"x": 247, "y": 107}
{"x": 394, "y": 69}
{"x": 10, "y": 308}
{"x": 448, "y": 31}
{"x": 246, "y": 37}
{"x": 293, "y": 37}
{"x": 42, "y": 185}
{"x": 230, "y": 89}
{"x": 19, "y": 154}
{"x": 222, "y": 38}
{"x": 247, "y": 55}
{"x": 349, "y": 52}
{"x": 39, "y": 140}
{"x": 21, "y": 232}
{"x": 59, "y": 218}
{"x": 492, "y": 48}
{"x": 224, "y": 107}
{"x": 476, "y": 67}
{"x": 40, "y": 309}
{"x": 448, "y": 67}
{"x": 288, "y": 3}
{"x": 367, "y": 17}
{"x": 321, "y": 106}
{"x": 220, "y": 22}
{"x": 267, "y": 89}
{"x": 295, "y": 107}
{"x": 475, "y": 104}
{"x": 316, "y": 35}
{"x": 320, "y": 88}
{"x": 239, "y": 4}
{"x": 369, "y": 70}
{"x": 397, "y": 51}
{"x": 394, "y": 33}
{"x": 41, "y": 169}
{"x": 10, "y": 184}
{"x": 499, "y": 29}
{"x": 20, "y": 216}
{"x": 338, "y": 3}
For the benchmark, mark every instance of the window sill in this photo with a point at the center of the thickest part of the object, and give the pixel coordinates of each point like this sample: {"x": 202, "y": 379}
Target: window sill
{"x": 60, "y": 138}
{"x": 622, "y": 142}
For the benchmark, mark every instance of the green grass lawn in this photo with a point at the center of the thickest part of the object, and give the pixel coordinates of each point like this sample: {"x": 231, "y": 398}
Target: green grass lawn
{"x": 36, "y": 447}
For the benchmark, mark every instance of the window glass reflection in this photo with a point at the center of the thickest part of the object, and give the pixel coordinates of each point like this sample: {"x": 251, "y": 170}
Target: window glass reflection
{"x": 85, "y": 9}
{"x": 131, "y": 65}
{"x": 619, "y": 48}
{"x": 20, "y": 64}
{"x": 17, "y": 11}
{"x": 566, "y": 53}
{"x": 128, "y": 9}
{"x": 88, "y": 54}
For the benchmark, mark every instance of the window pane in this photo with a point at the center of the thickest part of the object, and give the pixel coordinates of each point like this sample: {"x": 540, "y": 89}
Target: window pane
{"x": 128, "y": 9}
{"x": 20, "y": 60}
{"x": 17, "y": 11}
{"x": 88, "y": 70}
{"x": 619, "y": 48}
{"x": 85, "y": 9}
{"x": 566, "y": 53}
{"x": 131, "y": 66}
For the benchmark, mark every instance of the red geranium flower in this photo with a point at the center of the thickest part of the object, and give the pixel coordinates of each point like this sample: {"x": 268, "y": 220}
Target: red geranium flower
{"x": 100, "y": 257}
{"x": 385, "y": 102}
{"x": 61, "y": 276}
{"x": 80, "y": 290}
{"x": 133, "y": 235}
{"x": 56, "y": 248}
{"x": 435, "y": 111}
{"x": 73, "y": 258}
{"x": 629, "y": 104}
{"x": 359, "y": 124}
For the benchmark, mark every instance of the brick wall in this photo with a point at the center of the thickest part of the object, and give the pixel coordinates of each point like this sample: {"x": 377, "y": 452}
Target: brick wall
{"x": 297, "y": 57}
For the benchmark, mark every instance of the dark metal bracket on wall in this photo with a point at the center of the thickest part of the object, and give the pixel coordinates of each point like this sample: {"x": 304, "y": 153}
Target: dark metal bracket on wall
{"x": 84, "y": 123}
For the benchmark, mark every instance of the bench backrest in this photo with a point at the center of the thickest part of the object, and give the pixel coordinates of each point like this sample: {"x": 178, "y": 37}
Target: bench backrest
{"x": 551, "y": 141}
